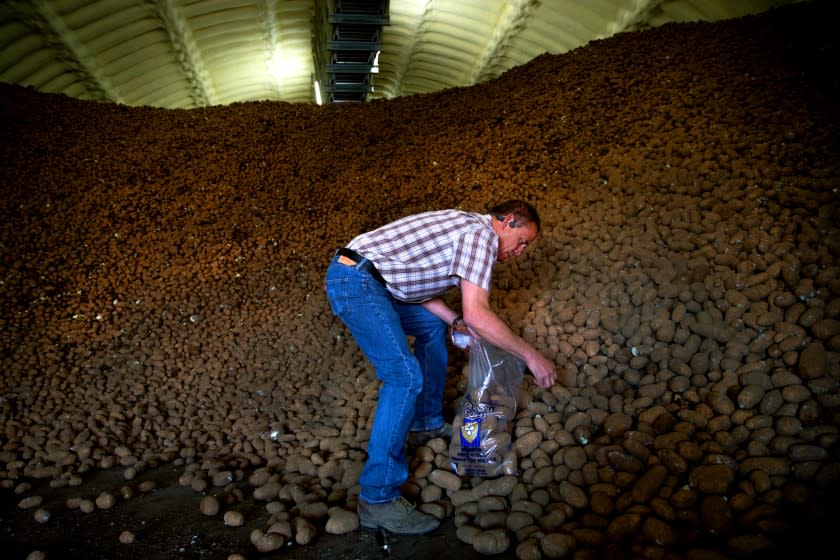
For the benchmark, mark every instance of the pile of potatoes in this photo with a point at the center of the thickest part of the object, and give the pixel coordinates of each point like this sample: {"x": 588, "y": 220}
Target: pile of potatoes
{"x": 162, "y": 297}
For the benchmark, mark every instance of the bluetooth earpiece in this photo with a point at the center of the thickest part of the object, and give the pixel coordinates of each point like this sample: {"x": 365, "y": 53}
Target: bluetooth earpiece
{"x": 501, "y": 218}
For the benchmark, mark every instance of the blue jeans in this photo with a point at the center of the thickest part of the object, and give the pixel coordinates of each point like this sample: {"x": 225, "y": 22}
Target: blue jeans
{"x": 411, "y": 396}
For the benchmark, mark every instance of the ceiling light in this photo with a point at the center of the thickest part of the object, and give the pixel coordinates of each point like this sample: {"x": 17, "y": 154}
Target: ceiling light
{"x": 317, "y": 93}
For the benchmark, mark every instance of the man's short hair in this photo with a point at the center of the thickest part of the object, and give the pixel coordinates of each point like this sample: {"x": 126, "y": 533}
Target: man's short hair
{"x": 523, "y": 212}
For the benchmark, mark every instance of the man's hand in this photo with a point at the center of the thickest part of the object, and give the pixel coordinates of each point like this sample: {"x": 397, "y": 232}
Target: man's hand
{"x": 460, "y": 334}
{"x": 545, "y": 373}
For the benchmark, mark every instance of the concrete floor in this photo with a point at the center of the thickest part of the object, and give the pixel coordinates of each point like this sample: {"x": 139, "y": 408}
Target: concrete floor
{"x": 168, "y": 524}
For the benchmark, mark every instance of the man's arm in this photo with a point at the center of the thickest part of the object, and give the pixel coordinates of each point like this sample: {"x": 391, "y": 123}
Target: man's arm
{"x": 484, "y": 321}
{"x": 439, "y": 308}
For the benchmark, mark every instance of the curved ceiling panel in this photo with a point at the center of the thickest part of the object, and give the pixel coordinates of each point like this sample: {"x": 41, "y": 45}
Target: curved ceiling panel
{"x": 194, "y": 53}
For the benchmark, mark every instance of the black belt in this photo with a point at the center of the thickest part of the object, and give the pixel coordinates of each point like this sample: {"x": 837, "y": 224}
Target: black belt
{"x": 360, "y": 263}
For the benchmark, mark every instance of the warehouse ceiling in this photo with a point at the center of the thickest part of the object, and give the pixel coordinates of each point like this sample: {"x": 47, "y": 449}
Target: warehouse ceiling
{"x": 195, "y": 53}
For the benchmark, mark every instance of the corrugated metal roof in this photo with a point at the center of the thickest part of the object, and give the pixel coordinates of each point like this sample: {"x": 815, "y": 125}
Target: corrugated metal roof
{"x": 193, "y": 53}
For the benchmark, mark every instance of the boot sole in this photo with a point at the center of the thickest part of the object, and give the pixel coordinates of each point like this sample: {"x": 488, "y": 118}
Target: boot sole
{"x": 373, "y": 528}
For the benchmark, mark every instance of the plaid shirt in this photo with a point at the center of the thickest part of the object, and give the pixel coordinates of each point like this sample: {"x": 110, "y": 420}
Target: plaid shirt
{"x": 423, "y": 255}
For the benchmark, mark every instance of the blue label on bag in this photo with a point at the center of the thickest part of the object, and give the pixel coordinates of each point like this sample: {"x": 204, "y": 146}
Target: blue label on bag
{"x": 471, "y": 432}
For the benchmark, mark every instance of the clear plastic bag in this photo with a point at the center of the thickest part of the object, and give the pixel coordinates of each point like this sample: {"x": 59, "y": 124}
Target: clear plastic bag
{"x": 481, "y": 441}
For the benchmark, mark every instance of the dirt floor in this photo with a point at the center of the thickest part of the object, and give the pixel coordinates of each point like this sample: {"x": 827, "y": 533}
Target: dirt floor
{"x": 162, "y": 314}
